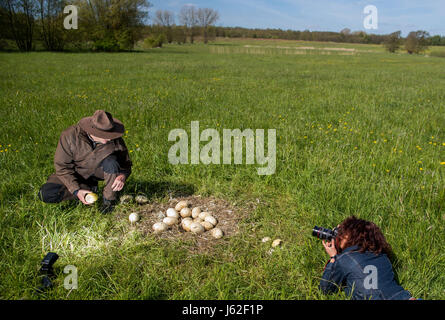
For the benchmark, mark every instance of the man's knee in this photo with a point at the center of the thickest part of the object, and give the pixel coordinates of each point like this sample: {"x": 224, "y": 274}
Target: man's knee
{"x": 51, "y": 192}
{"x": 110, "y": 165}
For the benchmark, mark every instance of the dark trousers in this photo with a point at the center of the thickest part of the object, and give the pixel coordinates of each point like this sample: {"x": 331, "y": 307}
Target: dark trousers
{"x": 54, "y": 191}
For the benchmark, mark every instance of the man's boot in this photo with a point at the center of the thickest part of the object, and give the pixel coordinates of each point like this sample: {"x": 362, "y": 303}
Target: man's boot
{"x": 107, "y": 206}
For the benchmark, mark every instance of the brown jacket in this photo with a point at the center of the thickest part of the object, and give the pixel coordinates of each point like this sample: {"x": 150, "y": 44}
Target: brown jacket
{"x": 75, "y": 156}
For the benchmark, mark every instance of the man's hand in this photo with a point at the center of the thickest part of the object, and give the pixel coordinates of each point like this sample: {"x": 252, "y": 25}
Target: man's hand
{"x": 330, "y": 247}
{"x": 118, "y": 183}
{"x": 81, "y": 195}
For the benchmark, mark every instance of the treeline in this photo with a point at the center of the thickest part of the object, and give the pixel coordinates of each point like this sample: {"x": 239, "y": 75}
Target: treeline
{"x": 100, "y": 25}
{"x": 116, "y": 25}
{"x": 344, "y": 36}
{"x": 192, "y": 22}
{"x": 109, "y": 25}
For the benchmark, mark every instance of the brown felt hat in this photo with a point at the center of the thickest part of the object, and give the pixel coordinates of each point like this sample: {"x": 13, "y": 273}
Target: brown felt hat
{"x": 102, "y": 125}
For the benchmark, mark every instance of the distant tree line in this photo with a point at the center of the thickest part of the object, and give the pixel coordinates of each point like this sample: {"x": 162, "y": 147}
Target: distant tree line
{"x": 345, "y": 35}
{"x": 193, "y": 22}
{"x": 115, "y": 25}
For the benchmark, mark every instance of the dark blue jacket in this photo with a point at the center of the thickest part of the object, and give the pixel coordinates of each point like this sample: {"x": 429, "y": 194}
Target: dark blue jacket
{"x": 364, "y": 276}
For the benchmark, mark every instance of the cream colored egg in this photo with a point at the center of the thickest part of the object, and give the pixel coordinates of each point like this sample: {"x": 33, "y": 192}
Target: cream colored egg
{"x": 198, "y": 220}
{"x": 216, "y": 233}
{"x": 195, "y": 212}
{"x": 133, "y": 217}
{"x": 159, "y": 227}
{"x": 266, "y": 239}
{"x": 181, "y": 204}
{"x": 141, "y": 199}
{"x": 171, "y": 212}
{"x": 170, "y": 221}
{"x": 203, "y": 215}
{"x": 91, "y": 197}
{"x": 211, "y": 219}
{"x": 196, "y": 228}
{"x": 276, "y": 243}
{"x": 186, "y": 212}
{"x": 207, "y": 225}
{"x": 186, "y": 223}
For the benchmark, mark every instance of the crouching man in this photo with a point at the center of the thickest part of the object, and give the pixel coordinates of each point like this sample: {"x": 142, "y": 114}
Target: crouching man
{"x": 88, "y": 152}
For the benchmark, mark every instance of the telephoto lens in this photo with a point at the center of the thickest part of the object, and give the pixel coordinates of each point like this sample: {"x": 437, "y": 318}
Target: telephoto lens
{"x": 324, "y": 234}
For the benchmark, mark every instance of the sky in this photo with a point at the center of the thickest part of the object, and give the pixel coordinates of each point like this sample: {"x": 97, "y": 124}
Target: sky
{"x": 320, "y": 15}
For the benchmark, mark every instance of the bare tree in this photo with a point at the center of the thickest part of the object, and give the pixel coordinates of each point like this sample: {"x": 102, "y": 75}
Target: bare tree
{"x": 206, "y": 17}
{"x": 51, "y": 22}
{"x": 188, "y": 18}
{"x": 20, "y": 14}
{"x": 164, "y": 18}
{"x": 346, "y": 31}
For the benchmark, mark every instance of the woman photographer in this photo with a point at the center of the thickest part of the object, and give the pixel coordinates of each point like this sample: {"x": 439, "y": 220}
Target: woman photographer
{"x": 359, "y": 263}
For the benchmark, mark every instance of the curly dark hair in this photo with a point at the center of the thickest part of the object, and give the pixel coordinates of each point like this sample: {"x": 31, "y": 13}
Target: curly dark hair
{"x": 364, "y": 234}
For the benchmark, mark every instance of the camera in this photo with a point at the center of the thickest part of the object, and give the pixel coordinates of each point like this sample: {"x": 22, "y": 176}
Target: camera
{"x": 324, "y": 233}
{"x": 47, "y": 264}
{"x": 47, "y": 272}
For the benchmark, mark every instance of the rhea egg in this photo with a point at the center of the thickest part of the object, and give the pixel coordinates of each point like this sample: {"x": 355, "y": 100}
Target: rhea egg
{"x": 133, "y": 217}
{"x": 159, "y": 227}
{"x": 196, "y": 227}
{"x": 91, "y": 197}
{"x": 195, "y": 212}
{"x": 186, "y": 212}
{"x": 276, "y": 243}
{"x": 171, "y": 212}
{"x": 207, "y": 225}
{"x": 203, "y": 215}
{"x": 216, "y": 233}
{"x": 181, "y": 204}
{"x": 211, "y": 219}
{"x": 266, "y": 239}
{"x": 186, "y": 223}
{"x": 170, "y": 221}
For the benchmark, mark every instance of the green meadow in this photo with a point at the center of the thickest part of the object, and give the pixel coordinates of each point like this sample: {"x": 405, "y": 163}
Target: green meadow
{"x": 359, "y": 132}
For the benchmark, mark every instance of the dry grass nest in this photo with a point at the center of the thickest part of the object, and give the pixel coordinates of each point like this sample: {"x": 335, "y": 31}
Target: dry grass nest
{"x": 227, "y": 215}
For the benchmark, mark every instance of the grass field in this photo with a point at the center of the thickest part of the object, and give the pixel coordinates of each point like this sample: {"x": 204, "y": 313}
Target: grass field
{"x": 359, "y": 134}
